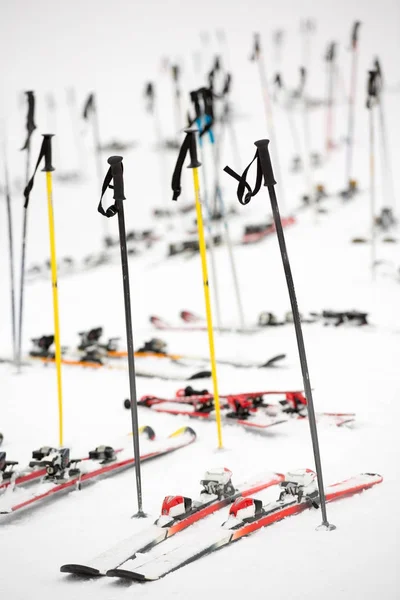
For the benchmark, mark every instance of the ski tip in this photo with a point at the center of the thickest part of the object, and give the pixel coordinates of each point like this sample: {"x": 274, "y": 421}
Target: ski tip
{"x": 147, "y": 431}
{"x": 182, "y": 431}
{"x": 200, "y": 375}
{"x": 272, "y": 361}
{"x": 123, "y": 574}
{"x": 83, "y": 570}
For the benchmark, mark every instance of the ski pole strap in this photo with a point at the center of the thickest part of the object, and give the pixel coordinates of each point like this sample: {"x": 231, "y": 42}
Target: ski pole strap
{"x": 264, "y": 168}
{"x": 114, "y": 174}
{"x": 188, "y": 145}
{"x": 45, "y": 152}
{"x": 30, "y": 119}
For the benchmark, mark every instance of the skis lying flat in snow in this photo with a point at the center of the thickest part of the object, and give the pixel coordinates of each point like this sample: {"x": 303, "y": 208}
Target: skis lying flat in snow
{"x": 150, "y": 373}
{"x": 64, "y": 474}
{"x": 271, "y": 362}
{"x": 178, "y": 513}
{"x": 246, "y": 516}
{"x": 248, "y": 409}
{"x": 163, "y": 325}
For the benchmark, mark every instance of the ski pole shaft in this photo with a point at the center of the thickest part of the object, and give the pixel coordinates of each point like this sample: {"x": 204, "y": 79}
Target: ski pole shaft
{"x": 48, "y": 169}
{"x": 194, "y": 164}
{"x": 372, "y": 189}
{"x": 352, "y": 99}
{"x": 220, "y": 198}
{"x": 115, "y": 163}
{"x": 269, "y": 181}
{"x": 211, "y": 244}
{"x": 11, "y": 253}
{"x": 23, "y": 258}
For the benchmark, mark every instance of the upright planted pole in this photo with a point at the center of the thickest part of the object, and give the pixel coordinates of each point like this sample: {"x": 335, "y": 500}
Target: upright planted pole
{"x": 30, "y": 128}
{"x": 372, "y": 101}
{"x": 330, "y": 58}
{"x": 387, "y": 173}
{"x": 45, "y": 153}
{"x": 11, "y": 256}
{"x": 258, "y": 57}
{"x": 209, "y": 120}
{"x": 350, "y": 182}
{"x": 264, "y": 171}
{"x": 189, "y": 145}
{"x": 90, "y": 113}
{"x": 115, "y": 175}
{"x": 195, "y": 98}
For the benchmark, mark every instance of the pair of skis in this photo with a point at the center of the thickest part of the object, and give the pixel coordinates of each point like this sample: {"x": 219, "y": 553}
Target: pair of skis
{"x": 133, "y": 558}
{"x": 192, "y": 322}
{"x": 250, "y": 410}
{"x": 54, "y": 473}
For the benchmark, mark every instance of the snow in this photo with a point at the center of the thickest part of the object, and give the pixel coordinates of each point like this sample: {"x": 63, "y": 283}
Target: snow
{"x": 114, "y": 49}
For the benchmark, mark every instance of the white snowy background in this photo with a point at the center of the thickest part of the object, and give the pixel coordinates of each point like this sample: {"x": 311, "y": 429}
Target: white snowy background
{"x": 113, "y": 49}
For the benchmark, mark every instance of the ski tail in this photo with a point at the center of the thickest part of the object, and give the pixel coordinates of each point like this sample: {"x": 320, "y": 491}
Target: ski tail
{"x": 273, "y": 360}
{"x": 188, "y": 317}
{"x": 159, "y": 323}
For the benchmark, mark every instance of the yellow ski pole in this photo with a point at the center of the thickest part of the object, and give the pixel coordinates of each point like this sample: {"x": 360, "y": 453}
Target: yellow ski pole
{"x": 189, "y": 144}
{"x": 45, "y": 152}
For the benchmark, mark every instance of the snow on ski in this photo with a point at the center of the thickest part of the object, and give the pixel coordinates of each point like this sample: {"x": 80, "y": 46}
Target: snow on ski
{"x": 245, "y": 517}
{"x": 64, "y": 475}
{"x": 170, "y": 523}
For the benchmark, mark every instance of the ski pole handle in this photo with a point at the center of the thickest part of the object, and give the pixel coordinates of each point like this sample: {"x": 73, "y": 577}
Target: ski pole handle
{"x": 265, "y": 162}
{"x": 47, "y": 152}
{"x": 115, "y": 163}
{"x": 194, "y": 161}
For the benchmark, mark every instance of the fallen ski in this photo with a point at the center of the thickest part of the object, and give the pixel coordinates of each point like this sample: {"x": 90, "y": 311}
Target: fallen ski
{"x": 65, "y": 474}
{"x": 148, "y": 373}
{"x": 161, "y": 324}
{"x": 178, "y": 513}
{"x": 246, "y": 516}
{"x": 249, "y": 409}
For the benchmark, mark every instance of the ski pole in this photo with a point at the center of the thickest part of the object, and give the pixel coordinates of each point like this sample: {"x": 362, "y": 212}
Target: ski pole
{"x": 90, "y": 110}
{"x": 264, "y": 171}
{"x": 385, "y": 147}
{"x": 216, "y": 147}
{"x": 277, "y": 39}
{"x": 195, "y": 99}
{"x": 45, "y": 153}
{"x": 372, "y": 101}
{"x": 330, "y": 58}
{"x": 30, "y": 128}
{"x": 189, "y": 145}
{"x": 351, "y": 184}
{"x": 115, "y": 175}
{"x": 258, "y": 57}
{"x": 11, "y": 253}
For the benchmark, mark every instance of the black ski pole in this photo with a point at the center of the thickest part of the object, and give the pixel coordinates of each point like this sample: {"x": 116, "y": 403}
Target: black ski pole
{"x": 30, "y": 128}
{"x": 330, "y": 58}
{"x": 11, "y": 251}
{"x": 115, "y": 175}
{"x": 264, "y": 171}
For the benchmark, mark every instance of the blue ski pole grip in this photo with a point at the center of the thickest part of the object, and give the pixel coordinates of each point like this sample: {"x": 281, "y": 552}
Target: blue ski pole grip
{"x": 47, "y": 152}
{"x": 265, "y": 162}
{"x": 115, "y": 163}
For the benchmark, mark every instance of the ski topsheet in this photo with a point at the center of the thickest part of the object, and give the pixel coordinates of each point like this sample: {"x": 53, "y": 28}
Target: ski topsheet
{"x": 148, "y": 568}
{"x": 157, "y": 533}
{"x": 18, "y": 498}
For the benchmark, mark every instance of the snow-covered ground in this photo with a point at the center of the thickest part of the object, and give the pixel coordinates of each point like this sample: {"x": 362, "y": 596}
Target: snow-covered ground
{"x": 95, "y": 46}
